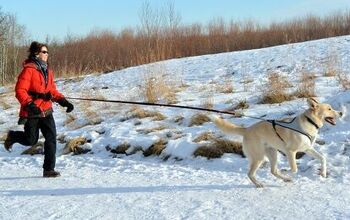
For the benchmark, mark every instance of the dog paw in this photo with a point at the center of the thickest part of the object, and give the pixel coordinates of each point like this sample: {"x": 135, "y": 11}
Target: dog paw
{"x": 259, "y": 185}
{"x": 323, "y": 173}
{"x": 287, "y": 180}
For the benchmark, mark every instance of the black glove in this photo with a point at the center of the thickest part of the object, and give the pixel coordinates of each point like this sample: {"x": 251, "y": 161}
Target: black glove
{"x": 47, "y": 96}
{"x": 33, "y": 109}
{"x": 64, "y": 103}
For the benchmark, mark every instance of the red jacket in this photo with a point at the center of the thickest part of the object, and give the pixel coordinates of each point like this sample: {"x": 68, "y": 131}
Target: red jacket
{"x": 31, "y": 79}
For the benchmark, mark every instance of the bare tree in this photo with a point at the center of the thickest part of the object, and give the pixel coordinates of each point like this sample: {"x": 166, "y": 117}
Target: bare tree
{"x": 11, "y": 36}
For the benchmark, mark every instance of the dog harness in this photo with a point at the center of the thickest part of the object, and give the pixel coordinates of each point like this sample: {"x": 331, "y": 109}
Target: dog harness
{"x": 293, "y": 125}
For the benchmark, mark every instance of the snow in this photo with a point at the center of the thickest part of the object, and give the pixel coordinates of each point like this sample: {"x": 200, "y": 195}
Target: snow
{"x": 102, "y": 185}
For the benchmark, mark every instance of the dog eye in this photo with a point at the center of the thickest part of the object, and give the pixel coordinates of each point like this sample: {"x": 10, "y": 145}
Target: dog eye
{"x": 329, "y": 109}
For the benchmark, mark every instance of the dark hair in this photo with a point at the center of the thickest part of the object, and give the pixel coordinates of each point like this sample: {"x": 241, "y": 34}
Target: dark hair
{"x": 35, "y": 48}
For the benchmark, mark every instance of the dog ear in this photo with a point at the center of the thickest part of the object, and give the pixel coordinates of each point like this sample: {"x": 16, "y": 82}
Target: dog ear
{"x": 313, "y": 103}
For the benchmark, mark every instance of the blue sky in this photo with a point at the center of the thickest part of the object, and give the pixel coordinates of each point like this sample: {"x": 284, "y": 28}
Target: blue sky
{"x": 78, "y": 17}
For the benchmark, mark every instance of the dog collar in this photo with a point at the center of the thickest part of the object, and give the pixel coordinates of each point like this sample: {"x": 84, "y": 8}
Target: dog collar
{"x": 312, "y": 122}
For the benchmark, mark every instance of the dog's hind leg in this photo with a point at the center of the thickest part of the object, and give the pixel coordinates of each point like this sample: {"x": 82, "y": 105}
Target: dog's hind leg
{"x": 271, "y": 154}
{"x": 253, "y": 167}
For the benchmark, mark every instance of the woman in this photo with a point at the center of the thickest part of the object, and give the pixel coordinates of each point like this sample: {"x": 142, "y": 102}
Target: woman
{"x": 35, "y": 91}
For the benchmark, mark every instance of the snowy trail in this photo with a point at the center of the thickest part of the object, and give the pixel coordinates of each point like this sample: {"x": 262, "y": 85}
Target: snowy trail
{"x": 130, "y": 188}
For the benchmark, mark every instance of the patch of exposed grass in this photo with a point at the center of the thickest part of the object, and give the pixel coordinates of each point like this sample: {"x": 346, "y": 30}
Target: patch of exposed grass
{"x": 120, "y": 149}
{"x": 344, "y": 80}
{"x": 179, "y": 119}
{"x": 306, "y": 87}
{"x": 5, "y": 105}
{"x": 159, "y": 85}
{"x": 69, "y": 119}
{"x": 226, "y": 86}
{"x": 38, "y": 148}
{"x": 275, "y": 89}
{"x": 205, "y": 136}
{"x": 75, "y": 146}
{"x": 150, "y": 130}
{"x": 199, "y": 119}
{"x": 141, "y": 113}
{"x": 242, "y": 104}
{"x": 156, "y": 148}
{"x": 217, "y": 147}
{"x": 331, "y": 65}
{"x": 208, "y": 102}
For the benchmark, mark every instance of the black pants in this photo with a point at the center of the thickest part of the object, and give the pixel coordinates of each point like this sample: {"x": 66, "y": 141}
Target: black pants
{"x": 30, "y": 137}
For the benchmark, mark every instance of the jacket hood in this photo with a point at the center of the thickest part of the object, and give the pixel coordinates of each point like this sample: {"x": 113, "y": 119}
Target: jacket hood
{"x": 29, "y": 63}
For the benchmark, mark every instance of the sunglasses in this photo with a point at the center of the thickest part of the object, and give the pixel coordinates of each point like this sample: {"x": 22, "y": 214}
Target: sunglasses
{"x": 44, "y": 52}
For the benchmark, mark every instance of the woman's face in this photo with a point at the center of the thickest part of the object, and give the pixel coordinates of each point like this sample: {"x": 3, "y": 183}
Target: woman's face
{"x": 43, "y": 54}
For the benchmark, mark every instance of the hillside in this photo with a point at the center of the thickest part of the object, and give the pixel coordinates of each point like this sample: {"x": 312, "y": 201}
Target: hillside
{"x": 175, "y": 184}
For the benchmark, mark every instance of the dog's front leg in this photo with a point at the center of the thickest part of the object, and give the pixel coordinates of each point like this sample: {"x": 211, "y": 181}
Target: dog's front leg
{"x": 292, "y": 161}
{"x": 313, "y": 153}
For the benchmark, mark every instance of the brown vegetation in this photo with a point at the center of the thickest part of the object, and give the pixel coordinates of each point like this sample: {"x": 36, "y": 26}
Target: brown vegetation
{"x": 159, "y": 86}
{"x": 343, "y": 80}
{"x": 140, "y": 113}
{"x": 274, "y": 90}
{"x": 75, "y": 145}
{"x": 162, "y": 36}
{"x": 156, "y": 148}
{"x": 217, "y": 147}
{"x": 306, "y": 87}
{"x": 120, "y": 149}
{"x": 199, "y": 119}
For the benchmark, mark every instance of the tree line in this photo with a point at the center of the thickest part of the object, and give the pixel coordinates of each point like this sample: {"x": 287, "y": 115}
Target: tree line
{"x": 160, "y": 36}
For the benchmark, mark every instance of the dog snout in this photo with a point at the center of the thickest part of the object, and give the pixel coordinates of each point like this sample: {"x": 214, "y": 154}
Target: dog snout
{"x": 340, "y": 114}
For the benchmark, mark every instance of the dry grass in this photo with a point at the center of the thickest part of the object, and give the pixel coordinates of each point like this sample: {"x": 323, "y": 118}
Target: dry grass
{"x": 208, "y": 102}
{"x": 246, "y": 81}
{"x": 306, "y": 87}
{"x": 150, "y": 130}
{"x": 199, "y": 119}
{"x": 60, "y": 139}
{"x": 38, "y": 148}
{"x": 226, "y": 86}
{"x": 140, "y": 113}
{"x": 217, "y": 147}
{"x": 208, "y": 152}
{"x": 179, "y": 119}
{"x": 90, "y": 114}
{"x": 69, "y": 119}
{"x": 242, "y": 104}
{"x": 205, "y": 136}
{"x": 343, "y": 80}
{"x": 331, "y": 65}
{"x": 5, "y": 105}
{"x": 275, "y": 89}
{"x": 75, "y": 145}
{"x": 120, "y": 149}
{"x": 156, "y": 148}
{"x": 159, "y": 86}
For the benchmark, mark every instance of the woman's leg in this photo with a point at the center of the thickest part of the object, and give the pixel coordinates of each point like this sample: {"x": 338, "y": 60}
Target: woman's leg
{"x": 29, "y": 136}
{"x": 48, "y": 129}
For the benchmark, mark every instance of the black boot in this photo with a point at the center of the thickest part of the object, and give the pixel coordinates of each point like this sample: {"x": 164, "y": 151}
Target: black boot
{"x": 51, "y": 173}
{"x": 8, "y": 142}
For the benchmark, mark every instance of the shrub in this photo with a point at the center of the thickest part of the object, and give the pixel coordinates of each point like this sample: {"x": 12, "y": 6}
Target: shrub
{"x": 274, "y": 90}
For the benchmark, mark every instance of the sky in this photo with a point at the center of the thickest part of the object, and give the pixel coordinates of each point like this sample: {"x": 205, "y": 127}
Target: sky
{"x": 57, "y": 19}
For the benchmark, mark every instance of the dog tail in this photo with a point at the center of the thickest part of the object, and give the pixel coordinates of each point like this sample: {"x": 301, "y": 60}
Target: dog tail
{"x": 228, "y": 127}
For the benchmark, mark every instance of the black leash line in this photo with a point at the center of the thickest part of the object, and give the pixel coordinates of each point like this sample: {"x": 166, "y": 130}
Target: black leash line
{"x": 167, "y": 105}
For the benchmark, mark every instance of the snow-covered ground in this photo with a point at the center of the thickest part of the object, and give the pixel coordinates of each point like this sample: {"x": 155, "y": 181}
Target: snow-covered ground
{"x": 102, "y": 185}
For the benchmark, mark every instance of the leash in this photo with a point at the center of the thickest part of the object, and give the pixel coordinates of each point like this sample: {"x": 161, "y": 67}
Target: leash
{"x": 235, "y": 114}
